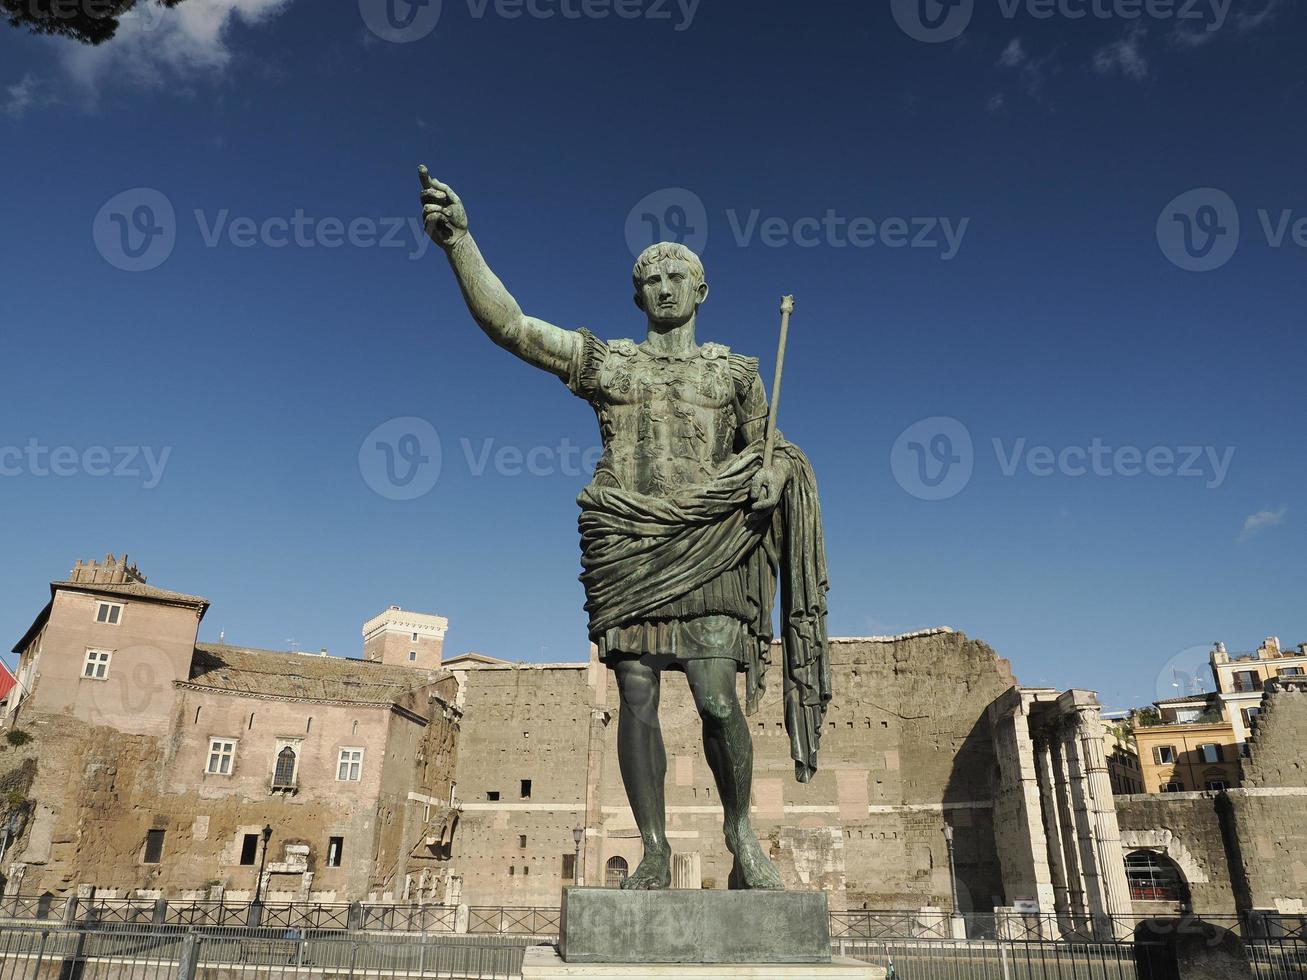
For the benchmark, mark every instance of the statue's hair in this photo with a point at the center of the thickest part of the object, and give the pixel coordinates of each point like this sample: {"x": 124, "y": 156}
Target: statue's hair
{"x": 665, "y": 250}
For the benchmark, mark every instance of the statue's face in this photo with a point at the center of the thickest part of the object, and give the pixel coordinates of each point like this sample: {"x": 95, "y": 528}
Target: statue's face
{"x": 669, "y": 293}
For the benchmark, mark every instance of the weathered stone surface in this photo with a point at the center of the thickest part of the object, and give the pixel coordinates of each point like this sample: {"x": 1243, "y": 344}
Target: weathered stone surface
{"x": 907, "y": 742}
{"x": 126, "y": 756}
{"x": 1186, "y": 828}
{"x": 543, "y": 962}
{"x": 609, "y": 925}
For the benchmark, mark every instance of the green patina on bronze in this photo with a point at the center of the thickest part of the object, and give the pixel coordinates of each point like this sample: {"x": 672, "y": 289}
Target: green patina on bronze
{"x": 685, "y": 532}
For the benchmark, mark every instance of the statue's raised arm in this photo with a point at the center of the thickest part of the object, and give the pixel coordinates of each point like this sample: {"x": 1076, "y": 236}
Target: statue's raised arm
{"x": 491, "y": 304}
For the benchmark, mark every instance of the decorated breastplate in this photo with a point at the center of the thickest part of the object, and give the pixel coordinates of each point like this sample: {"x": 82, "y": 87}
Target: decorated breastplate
{"x": 667, "y": 422}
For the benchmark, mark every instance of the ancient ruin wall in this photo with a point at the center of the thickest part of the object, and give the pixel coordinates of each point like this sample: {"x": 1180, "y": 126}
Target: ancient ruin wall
{"x": 906, "y": 741}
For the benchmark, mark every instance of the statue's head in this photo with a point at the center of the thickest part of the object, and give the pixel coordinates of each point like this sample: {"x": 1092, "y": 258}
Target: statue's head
{"x": 669, "y": 284}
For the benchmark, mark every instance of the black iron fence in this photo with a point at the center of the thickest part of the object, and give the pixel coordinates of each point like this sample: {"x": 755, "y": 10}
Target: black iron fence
{"x": 109, "y": 913}
{"x": 920, "y": 945}
{"x": 60, "y": 953}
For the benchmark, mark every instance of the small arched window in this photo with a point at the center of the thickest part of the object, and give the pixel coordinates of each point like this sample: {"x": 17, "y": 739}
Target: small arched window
{"x": 1154, "y": 877}
{"x": 615, "y": 872}
{"x": 284, "y": 775}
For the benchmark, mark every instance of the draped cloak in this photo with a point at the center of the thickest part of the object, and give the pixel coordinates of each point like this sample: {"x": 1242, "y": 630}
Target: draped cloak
{"x": 639, "y": 552}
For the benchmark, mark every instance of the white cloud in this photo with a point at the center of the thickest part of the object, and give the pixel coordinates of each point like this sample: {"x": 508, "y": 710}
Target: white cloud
{"x": 1013, "y": 55}
{"x": 1124, "y": 55}
{"x": 995, "y": 102}
{"x": 23, "y": 95}
{"x": 1188, "y": 35}
{"x": 1251, "y": 16}
{"x": 1031, "y": 72}
{"x": 154, "y": 46}
{"x": 1256, "y": 523}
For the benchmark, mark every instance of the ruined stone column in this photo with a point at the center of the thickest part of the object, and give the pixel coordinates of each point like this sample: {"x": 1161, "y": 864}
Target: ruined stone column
{"x": 1082, "y": 807}
{"x": 1052, "y": 830}
{"x": 1075, "y": 881}
{"x": 1018, "y": 822}
{"x": 1102, "y": 810}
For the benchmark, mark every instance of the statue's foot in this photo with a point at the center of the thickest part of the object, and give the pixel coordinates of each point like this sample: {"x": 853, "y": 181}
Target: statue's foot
{"x": 752, "y": 868}
{"x": 653, "y": 872}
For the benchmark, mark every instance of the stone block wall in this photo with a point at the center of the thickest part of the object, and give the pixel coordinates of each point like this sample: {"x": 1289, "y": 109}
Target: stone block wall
{"x": 1270, "y": 849}
{"x": 906, "y": 746}
{"x": 1188, "y": 829}
{"x": 99, "y": 791}
{"x": 524, "y": 723}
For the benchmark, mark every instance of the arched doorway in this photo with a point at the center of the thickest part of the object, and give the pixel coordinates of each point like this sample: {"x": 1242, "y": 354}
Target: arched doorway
{"x": 1155, "y": 881}
{"x": 615, "y": 872}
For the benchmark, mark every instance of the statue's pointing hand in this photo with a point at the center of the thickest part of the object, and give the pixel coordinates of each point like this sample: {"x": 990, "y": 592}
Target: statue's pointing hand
{"x": 767, "y": 485}
{"x": 442, "y": 212}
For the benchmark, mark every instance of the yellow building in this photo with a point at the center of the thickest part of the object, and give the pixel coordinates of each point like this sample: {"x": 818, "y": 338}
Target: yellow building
{"x": 1192, "y": 749}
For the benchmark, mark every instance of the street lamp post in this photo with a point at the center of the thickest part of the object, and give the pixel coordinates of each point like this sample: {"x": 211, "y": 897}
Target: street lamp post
{"x": 578, "y": 875}
{"x": 258, "y": 885}
{"x": 957, "y": 921}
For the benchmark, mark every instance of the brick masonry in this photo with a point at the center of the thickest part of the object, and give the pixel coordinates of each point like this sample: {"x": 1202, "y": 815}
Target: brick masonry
{"x": 907, "y": 741}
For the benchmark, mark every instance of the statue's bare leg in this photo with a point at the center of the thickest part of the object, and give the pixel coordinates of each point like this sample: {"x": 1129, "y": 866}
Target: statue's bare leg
{"x": 729, "y": 750}
{"x": 643, "y": 761}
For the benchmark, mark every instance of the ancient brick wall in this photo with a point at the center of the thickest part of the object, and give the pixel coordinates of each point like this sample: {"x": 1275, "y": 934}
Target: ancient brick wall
{"x": 521, "y": 723}
{"x": 1275, "y": 750}
{"x": 1270, "y": 849}
{"x": 1188, "y": 829}
{"x": 416, "y": 786}
{"x": 100, "y": 791}
{"x": 906, "y": 742}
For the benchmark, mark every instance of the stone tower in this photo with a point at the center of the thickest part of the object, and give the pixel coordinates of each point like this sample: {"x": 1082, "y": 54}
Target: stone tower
{"x": 405, "y": 639}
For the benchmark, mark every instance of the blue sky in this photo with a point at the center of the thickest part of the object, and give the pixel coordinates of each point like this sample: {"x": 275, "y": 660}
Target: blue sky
{"x": 1046, "y": 360}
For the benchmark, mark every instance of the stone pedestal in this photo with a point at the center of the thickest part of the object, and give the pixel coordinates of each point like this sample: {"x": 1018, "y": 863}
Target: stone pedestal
{"x": 693, "y": 926}
{"x": 544, "y": 963}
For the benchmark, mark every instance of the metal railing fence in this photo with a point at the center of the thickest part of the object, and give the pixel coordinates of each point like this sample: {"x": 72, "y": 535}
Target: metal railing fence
{"x": 982, "y": 959}
{"x": 352, "y": 917}
{"x": 75, "y": 954}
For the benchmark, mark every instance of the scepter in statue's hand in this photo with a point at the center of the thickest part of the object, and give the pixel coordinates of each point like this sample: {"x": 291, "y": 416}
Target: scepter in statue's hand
{"x": 767, "y": 484}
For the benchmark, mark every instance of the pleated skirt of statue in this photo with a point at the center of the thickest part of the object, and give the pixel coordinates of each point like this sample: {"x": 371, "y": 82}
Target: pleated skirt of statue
{"x": 710, "y": 622}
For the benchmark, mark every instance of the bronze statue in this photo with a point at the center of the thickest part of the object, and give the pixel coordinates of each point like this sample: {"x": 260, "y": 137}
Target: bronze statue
{"x": 684, "y": 531}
